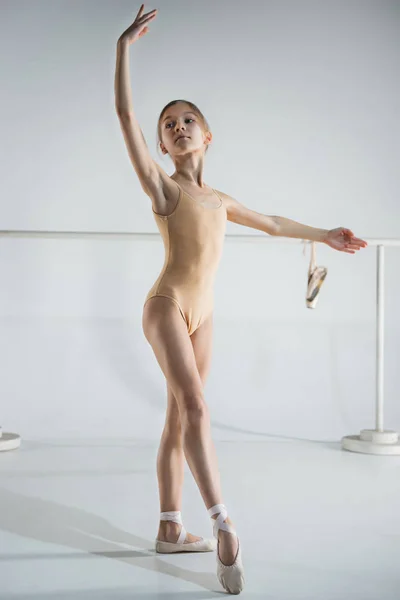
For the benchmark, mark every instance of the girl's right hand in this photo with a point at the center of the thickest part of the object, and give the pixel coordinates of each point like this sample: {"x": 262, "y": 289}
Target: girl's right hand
{"x": 139, "y": 26}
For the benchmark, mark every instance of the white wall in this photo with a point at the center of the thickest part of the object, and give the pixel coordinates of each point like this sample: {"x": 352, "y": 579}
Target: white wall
{"x": 302, "y": 98}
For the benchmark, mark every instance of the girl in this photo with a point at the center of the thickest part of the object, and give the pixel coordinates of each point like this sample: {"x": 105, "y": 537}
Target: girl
{"x": 177, "y": 314}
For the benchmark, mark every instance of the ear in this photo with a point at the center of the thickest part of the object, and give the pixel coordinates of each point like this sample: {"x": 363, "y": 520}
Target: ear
{"x": 208, "y": 138}
{"x": 163, "y": 148}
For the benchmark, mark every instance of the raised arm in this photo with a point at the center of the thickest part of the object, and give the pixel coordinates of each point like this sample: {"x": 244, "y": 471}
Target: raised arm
{"x": 146, "y": 168}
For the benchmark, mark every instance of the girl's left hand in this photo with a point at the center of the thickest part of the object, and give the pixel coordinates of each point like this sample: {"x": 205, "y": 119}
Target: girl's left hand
{"x": 343, "y": 239}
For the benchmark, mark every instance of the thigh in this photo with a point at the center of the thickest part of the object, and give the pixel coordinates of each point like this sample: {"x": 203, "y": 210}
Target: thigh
{"x": 167, "y": 333}
{"x": 202, "y": 346}
{"x": 201, "y": 341}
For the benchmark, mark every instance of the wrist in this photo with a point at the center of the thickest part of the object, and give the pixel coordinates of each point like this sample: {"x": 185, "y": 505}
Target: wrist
{"x": 122, "y": 42}
{"x": 322, "y": 235}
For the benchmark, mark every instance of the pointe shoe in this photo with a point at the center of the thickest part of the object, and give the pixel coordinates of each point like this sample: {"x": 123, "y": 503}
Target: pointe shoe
{"x": 315, "y": 279}
{"x": 231, "y": 577}
{"x": 169, "y": 547}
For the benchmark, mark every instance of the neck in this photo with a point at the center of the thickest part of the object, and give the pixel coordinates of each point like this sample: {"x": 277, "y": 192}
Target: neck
{"x": 189, "y": 169}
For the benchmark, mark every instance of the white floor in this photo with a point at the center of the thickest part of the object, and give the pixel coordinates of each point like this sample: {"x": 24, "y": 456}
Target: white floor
{"x": 78, "y": 521}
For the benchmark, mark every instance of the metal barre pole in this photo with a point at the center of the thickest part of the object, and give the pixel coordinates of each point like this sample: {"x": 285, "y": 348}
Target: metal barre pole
{"x": 380, "y": 334}
{"x": 120, "y": 235}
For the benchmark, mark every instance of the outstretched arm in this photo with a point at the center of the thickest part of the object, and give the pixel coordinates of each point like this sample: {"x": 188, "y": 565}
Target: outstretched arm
{"x": 340, "y": 238}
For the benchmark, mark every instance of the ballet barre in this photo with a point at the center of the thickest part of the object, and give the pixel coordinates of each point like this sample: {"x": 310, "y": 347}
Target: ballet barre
{"x": 370, "y": 441}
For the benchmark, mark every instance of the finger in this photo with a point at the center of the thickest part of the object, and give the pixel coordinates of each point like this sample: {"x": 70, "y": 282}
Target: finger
{"x": 348, "y": 251}
{"x": 353, "y": 246}
{"x": 145, "y": 30}
{"x": 144, "y": 20}
{"x": 359, "y": 241}
{"x": 140, "y": 11}
{"x": 151, "y": 13}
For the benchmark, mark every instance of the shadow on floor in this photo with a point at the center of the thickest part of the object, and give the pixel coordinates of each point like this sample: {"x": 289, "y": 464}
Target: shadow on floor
{"x": 48, "y": 521}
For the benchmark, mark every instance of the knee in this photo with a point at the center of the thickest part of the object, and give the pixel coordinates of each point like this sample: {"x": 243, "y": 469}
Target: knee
{"x": 172, "y": 429}
{"x": 194, "y": 411}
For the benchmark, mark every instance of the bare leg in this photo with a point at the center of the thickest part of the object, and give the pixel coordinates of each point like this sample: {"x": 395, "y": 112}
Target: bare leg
{"x": 166, "y": 332}
{"x": 202, "y": 346}
{"x": 170, "y": 472}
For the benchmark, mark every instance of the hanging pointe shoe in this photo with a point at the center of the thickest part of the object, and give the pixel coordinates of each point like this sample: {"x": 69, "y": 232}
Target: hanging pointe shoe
{"x": 169, "y": 547}
{"x": 315, "y": 279}
{"x": 231, "y": 576}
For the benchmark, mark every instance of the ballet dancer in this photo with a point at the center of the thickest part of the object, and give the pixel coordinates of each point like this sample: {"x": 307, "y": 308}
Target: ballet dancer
{"x": 178, "y": 310}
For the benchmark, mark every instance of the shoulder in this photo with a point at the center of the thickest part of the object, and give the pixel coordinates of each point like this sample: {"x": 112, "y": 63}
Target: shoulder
{"x": 228, "y": 201}
{"x": 232, "y": 206}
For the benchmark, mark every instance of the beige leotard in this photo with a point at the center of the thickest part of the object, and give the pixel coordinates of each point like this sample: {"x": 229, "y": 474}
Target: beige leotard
{"x": 193, "y": 236}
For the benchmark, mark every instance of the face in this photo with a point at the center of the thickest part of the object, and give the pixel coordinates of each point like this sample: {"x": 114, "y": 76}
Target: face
{"x": 182, "y": 131}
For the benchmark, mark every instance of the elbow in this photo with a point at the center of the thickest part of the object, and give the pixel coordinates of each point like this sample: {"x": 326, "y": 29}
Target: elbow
{"x": 123, "y": 110}
{"x": 273, "y": 226}
{"x": 123, "y": 113}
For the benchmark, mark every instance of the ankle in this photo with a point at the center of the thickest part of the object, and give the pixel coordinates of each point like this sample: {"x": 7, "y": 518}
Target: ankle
{"x": 227, "y": 520}
{"x": 169, "y": 531}
{"x": 169, "y": 525}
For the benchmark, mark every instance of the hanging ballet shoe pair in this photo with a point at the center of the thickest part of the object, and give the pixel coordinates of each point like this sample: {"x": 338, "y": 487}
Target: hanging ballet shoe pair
{"x": 315, "y": 279}
{"x": 202, "y": 545}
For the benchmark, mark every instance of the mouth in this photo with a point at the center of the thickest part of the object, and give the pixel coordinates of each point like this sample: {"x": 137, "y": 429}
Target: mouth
{"x": 182, "y": 137}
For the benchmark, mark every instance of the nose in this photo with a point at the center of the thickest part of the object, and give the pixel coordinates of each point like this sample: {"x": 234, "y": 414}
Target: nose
{"x": 179, "y": 126}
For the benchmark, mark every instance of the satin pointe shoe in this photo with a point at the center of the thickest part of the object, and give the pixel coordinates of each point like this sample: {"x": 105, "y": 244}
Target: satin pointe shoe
{"x": 231, "y": 577}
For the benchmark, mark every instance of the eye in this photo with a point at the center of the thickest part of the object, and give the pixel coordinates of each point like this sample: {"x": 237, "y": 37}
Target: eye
{"x": 167, "y": 126}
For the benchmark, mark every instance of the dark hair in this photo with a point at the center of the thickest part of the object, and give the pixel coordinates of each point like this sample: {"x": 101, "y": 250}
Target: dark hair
{"x": 193, "y": 107}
